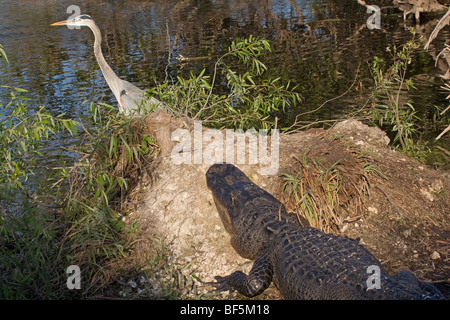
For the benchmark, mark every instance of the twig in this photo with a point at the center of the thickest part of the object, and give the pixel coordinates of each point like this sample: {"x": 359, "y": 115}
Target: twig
{"x": 323, "y": 104}
{"x": 445, "y": 151}
{"x": 447, "y": 48}
{"x": 442, "y": 133}
{"x": 401, "y": 210}
{"x": 446, "y": 109}
{"x": 169, "y": 52}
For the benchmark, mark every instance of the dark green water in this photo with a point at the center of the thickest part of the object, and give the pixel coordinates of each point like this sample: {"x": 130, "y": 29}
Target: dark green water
{"x": 318, "y": 45}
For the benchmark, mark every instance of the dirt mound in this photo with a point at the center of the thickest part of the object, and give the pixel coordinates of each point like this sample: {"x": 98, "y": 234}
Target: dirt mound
{"x": 351, "y": 182}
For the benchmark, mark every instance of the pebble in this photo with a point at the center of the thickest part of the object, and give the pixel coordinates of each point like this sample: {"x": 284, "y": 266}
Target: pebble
{"x": 427, "y": 194}
{"x": 132, "y": 284}
{"x": 437, "y": 186}
{"x": 435, "y": 255}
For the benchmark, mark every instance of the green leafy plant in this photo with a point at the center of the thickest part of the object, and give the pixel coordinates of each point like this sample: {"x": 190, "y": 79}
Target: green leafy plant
{"x": 111, "y": 147}
{"x": 388, "y": 109}
{"x": 3, "y": 54}
{"x": 29, "y": 247}
{"x": 245, "y": 99}
{"x": 111, "y": 152}
{"x": 63, "y": 214}
{"x": 22, "y": 133}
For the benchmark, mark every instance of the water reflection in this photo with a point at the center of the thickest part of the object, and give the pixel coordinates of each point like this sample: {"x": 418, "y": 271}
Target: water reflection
{"x": 317, "y": 44}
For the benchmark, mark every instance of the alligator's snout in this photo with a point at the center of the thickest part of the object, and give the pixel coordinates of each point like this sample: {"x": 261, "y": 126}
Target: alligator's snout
{"x": 220, "y": 175}
{"x": 214, "y": 172}
{"x": 215, "y": 180}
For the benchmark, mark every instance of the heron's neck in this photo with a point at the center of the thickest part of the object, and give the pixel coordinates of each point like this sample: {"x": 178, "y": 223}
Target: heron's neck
{"x": 111, "y": 78}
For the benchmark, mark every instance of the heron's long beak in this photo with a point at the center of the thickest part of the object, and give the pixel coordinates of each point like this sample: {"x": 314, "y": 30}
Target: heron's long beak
{"x": 60, "y": 23}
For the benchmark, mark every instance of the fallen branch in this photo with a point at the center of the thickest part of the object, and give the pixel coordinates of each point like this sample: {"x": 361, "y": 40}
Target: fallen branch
{"x": 445, "y": 20}
{"x": 442, "y": 23}
{"x": 416, "y": 7}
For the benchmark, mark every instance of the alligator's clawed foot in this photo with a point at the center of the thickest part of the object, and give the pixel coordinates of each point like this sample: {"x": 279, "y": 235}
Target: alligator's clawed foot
{"x": 221, "y": 284}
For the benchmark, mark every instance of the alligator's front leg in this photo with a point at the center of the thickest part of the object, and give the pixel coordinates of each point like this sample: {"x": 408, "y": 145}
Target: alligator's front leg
{"x": 255, "y": 283}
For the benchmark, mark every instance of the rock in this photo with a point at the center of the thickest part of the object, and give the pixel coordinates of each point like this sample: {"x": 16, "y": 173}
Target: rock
{"x": 435, "y": 255}
{"x": 427, "y": 194}
{"x": 132, "y": 284}
{"x": 437, "y": 186}
{"x": 362, "y": 133}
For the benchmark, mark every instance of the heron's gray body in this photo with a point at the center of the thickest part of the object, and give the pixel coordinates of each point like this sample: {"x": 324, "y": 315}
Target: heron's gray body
{"x": 131, "y": 99}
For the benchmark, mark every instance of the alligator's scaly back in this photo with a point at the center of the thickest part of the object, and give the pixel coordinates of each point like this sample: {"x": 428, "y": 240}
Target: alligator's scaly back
{"x": 304, "y": 263}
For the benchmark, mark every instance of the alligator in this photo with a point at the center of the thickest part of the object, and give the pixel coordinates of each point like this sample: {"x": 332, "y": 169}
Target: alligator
{"x": 302, "y": 261}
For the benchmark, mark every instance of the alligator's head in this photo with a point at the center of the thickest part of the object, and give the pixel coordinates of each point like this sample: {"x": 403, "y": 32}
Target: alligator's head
{"x": 237, "y": 198}
{"x": 227, "y": 183}
{"x": 249, "y": 214}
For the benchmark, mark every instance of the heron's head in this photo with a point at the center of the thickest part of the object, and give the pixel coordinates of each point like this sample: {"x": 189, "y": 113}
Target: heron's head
{"x": 81, "y": 20}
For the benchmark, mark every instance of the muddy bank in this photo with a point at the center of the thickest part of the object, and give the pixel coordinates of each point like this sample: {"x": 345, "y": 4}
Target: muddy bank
{"x": 397, "y": 206}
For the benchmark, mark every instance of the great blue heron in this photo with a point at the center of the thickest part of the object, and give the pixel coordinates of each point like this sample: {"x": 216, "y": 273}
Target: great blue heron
{"x": 131, "y": 99}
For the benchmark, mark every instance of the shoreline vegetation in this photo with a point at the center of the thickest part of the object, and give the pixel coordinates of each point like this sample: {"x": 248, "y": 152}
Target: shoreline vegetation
{"x": 75, "y": 212}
